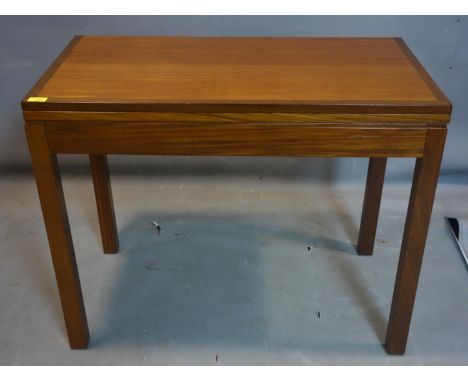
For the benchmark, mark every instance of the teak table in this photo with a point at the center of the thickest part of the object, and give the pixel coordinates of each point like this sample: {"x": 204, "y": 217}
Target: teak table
{"x": 334, "y": 97}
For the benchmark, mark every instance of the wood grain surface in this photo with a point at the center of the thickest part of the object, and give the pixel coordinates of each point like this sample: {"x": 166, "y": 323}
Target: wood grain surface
{"x": 256, "y": 139}
{"x": 348, "y": 119}
{"x": 209, "y": 74}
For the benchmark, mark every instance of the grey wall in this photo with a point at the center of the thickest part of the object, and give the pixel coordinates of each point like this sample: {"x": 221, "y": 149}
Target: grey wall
{"x": 28, "y": 44}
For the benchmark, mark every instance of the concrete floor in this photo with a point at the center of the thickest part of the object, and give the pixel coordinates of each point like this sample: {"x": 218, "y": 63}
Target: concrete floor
{"x": 230, "y": 279}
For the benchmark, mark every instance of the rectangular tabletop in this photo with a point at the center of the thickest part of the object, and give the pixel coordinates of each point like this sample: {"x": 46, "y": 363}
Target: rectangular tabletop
{"x": 217, "y": 75}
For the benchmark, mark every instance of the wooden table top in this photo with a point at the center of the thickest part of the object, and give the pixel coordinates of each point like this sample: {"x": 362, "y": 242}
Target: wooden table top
{"x": 231, "y": 74}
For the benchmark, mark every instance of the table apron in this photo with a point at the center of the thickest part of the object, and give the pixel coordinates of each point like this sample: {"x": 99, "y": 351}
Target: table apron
{"x": 234, "y": 139}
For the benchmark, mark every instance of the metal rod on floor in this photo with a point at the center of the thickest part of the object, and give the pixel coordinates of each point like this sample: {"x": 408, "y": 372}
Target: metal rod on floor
{"x": 459, "y": 228}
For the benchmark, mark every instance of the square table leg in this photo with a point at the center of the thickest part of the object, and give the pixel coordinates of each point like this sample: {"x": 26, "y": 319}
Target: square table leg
{"x": 414, "y": 239}
{"x": 371, "y": 207}
{"x": 55, "y": 216}
{"x": 105, "y": 205}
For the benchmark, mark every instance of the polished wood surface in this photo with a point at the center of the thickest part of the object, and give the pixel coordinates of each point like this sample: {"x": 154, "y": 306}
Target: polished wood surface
{"x": 371, "y": 207}
{"x": 233, "y": 139}
{"x": 336, "y": 118}
{"x": 104, "y": 203}
{"x": 205, "y": 74}
{"x": 414, "y": 240}
{"x": 55, "y": 216}
{"x": 358, "y": 97}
